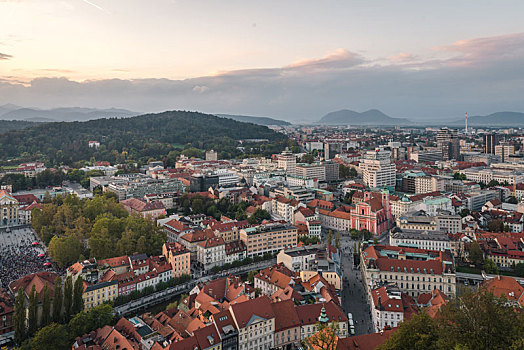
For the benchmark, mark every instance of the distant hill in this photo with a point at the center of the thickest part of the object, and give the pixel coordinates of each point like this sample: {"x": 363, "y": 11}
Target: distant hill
{"x": 157, "y": 136}
{"x": 495, "y": 119}
{"x": 255, "y": 120}
{"x": 6, "y": 125}
{"x": 8, "y": 108}
{"x": 61, "y": 114}
{"x": 371, "y": 117}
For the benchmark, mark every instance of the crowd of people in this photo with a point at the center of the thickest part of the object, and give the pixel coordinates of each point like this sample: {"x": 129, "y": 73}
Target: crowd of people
{"x": 19, "y": 258}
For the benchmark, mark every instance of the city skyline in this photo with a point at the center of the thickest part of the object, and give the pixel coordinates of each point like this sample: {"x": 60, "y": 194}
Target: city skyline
{"x": 293, "y": 61}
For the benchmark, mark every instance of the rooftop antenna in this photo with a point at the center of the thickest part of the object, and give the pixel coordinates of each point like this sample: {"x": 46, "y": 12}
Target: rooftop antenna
{"x": 466, "y": 122}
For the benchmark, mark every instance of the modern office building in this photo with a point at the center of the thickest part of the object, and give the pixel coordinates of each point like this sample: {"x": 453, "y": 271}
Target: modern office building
{"x": 448, "y": 143}
{"x": 288, "y": 162}
{"x": 377, "y": 169}
{"x": 490, "y": 141}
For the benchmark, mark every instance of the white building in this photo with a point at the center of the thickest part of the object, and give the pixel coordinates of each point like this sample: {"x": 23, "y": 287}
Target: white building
{"x": 226, "y": 177}
{"x": 377, "y": 169}
{"x": 388, "y": 307}
{"x": 211, "y": 252}
{"x": 255, "y": 321}
{"x": 311, "y": 171}
{"x": 423, "y": 239}
{"x": 288, "y": 162}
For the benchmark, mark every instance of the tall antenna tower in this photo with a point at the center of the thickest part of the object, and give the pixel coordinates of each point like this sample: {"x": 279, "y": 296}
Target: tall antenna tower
{"x": 466, "y": 122}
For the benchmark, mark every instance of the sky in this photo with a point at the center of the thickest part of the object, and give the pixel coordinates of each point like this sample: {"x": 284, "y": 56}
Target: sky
{"x": 293, "y": 60}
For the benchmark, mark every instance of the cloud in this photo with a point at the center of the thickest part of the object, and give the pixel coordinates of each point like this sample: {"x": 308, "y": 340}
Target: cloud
{"x": 65, "y": 71}
{"x": 4, "y": 56}
{"x": 341, "y": 58}
{"x": 404, "y": 85}
{"x": 481, "y": 50}
{"x": 200, "y": 89}
{"x": 402, "y": 57}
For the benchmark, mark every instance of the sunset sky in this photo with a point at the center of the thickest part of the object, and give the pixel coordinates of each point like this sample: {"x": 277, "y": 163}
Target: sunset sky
{"x": 295, "y": 60}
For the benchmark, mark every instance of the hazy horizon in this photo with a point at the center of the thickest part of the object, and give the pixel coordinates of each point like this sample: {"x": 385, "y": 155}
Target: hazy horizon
{"x": 295, "y": 60}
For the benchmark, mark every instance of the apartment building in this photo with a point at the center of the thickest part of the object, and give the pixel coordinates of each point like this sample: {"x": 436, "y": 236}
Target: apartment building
{"x": 288, "y": 162}
{"x": 228, "y": 231}
{"x": 140, "y": 185}
{"x": 99, "y": 293}
{"x": 211, "y": 252}
{"x": 425, "y": 184}
{"x": 287, "y": 325}
{"x": 274, "y": 278}
{"x": 413, "y": 270}
{"x": 423, "y": 239}
{"x": 485, "y": 175}
{"x": 311, "y": 171}
{"x": 179, "y": 257}
{"x": 268, "y": 238}
{"x": 377, "y": 169}
{"x": 311, "y": 314}
{"x": 255, "y": 321}
{"x": 332, "y": 170}
{"x": 390, "y": 307}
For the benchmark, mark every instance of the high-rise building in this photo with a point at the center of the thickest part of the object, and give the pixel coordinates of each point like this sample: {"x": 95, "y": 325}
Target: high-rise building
{"x": 377, "y": 168}
{"x": 448, "y": 143}
{"x": 332, "y": 173}
{"x": 503, "y": 150}
{"x": 288, "y": 162}
{"x": 490, "y": 141}
{"x": 311, "y": 171}
{"x": 211, "y": 155}
{"x": 331, "y": 149}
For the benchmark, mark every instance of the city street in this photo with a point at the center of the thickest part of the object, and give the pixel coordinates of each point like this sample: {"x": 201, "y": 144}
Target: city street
{"x": 353, "y": 294}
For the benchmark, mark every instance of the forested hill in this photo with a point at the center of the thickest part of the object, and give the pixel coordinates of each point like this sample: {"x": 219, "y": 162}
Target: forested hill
{"x": 137, "y": 138}
{"x": 6, "y": 125}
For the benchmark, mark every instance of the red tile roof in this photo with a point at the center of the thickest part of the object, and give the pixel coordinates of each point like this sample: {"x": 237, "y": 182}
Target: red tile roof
{"x": 285, "y": 315}
{"x": 260, "y": 307}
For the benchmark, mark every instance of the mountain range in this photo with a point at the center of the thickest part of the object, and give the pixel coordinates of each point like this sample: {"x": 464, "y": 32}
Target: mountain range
{"x": 494, "y": 119}
{"x": 66, "y": 114}
{"x": 378, "y": 118}
{"x": 370, "y": 117}
{"x": 266, "y": 121}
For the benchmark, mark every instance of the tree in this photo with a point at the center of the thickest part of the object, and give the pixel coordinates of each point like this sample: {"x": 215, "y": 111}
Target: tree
{"x": 325, "y": 338}
{"x": 491, "y": 267}
{"x": 51, "y": 337}
{"x": 464, "y": 212}
{"x": 493, "y": 183}
{"x": 496, "y": 226}
{"x": 68, "y": 297}
{"x": 258, "y": 216}
{"x": 46, "y": 307}
{"x": 480, "y": 321}
{"x": 84, "y": 322}
{"x": 57, "y": 300}
{"x": 473, "y": 321}
{"x": 251, "y": 276}
{"x": 419, "y": 333}
{"x": 20, "y": 316}
{"x": 307, "y": 158}
{"x": 513, "y": 200}
{"x": 519, "y": 269}
{"x": 337, "y": 240}
{"x": 78, "y": 302}
{"x": 32, "y": 314}
{"x": 172, "y": 305}
{"x": 65, "y": 250}
{"x": 475, "y": 253}
{"x": 330, "y": 237}
{"x": 100, "y": 316}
